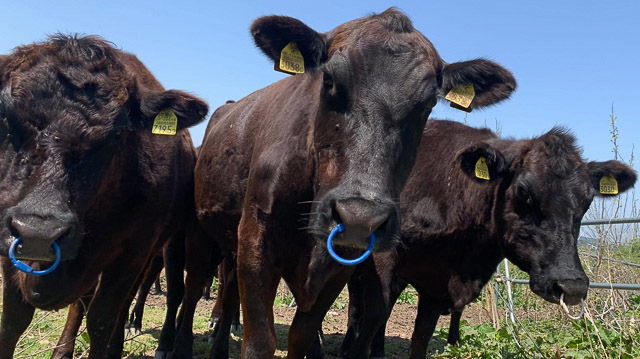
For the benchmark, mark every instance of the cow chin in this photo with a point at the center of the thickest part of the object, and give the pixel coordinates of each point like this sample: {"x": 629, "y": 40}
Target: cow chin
{"x": 49, "y": 292}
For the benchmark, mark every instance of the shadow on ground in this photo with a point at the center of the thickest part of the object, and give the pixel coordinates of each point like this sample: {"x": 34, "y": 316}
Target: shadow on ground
{"x": 396, "y": 347}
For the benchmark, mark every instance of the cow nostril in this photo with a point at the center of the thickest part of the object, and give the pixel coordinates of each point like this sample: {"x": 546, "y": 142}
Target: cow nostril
{"x": 12, "y": 229}
{"x": 573, "y": 289}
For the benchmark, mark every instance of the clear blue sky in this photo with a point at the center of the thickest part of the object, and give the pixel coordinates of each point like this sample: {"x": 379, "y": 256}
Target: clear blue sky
{"x": 572, "y": 59}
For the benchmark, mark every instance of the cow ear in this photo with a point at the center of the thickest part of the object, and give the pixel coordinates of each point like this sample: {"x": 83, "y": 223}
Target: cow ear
{"x": 272, "y": 33}
{"x": 189, "y": 109}
{"x": 3, "y": 59}
{"x": 481, "y": 156}
{"x": 625, "y": 177}
{"x": 491, "y": 82}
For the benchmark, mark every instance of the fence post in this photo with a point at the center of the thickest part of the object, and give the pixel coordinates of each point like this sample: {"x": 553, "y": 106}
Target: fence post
{"x": 493, "y": 304}
{"x": 507, "y": 280}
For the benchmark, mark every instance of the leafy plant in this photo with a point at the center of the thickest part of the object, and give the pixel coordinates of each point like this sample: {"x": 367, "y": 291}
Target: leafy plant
{"x": 409, "y": 296}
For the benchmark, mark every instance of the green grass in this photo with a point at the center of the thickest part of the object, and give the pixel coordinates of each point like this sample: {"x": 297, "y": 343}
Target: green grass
{"x": 548, "y": 339}
{"x": 555, "y": 337}
{"x": 409, "y": 296}
{"x": 282, "y": 300}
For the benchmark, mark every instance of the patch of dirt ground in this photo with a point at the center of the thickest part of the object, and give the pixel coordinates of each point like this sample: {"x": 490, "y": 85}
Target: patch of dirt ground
{"x": 398, "y": 332}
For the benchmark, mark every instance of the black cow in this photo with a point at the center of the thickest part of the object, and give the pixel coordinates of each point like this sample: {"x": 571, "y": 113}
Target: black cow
{"x": 337, "y": 143}
{"x": 457, "y": 227}
{"x": 81, "y": 170}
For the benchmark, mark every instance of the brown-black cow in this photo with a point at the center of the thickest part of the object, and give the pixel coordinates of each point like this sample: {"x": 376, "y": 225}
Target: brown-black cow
{"x": 66, "y": 344}
{"x": 77, "y": 310}
{"x": 337, "y": 143}
{"x": 458, "y": 224}
{"x": 81, "y": 171}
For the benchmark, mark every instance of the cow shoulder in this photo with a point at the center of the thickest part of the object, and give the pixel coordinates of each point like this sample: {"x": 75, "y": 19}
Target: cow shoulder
{"x": 280, "y": 169}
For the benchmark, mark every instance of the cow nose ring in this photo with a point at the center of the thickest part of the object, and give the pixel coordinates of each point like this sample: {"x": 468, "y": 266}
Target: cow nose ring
{"x": 28, "y": 269}
{"x": 566, "y": 309}
{"x": 348, "y": 262}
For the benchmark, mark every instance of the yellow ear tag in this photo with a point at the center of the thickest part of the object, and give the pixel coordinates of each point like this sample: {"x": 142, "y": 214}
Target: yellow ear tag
{"x": 482, "y": 170}
{"x": 461, "y": 95}
{"x": 608, "y": 185}
{"x": 291, "y": 60}
{"x": 165, "y": 123}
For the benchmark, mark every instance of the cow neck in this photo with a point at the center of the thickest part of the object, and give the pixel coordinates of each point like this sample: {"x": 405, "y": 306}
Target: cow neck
{"x": 313, "y": 80}
{"x": 500, "y": 195}
{"x": 481, "y": 254}
{"x": 487, "y": 255}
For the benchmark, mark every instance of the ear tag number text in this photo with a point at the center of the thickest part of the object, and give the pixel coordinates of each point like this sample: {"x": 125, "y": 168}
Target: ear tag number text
{"x": 165, "y": 123}
{"x": 482, "y": 170}
{"x": 291, "y": 60}
{"x": 462, "y": 96}
{"x": 608, "y": 185}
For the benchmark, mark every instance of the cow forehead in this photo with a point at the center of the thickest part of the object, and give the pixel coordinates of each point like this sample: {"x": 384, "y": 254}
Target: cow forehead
{"x": 64, "y": 116}
{"x": 557, "y": 177}
{"x": 45, "y": 95}
{"x": 65, "y": 64}
{"x": 391, "y": 30}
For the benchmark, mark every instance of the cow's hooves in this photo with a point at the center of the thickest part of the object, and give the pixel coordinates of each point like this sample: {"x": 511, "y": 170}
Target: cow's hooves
{"x": 321, "y": 338}
{"x": 132, "y": 332}
{"x": 211, "y": 323}
{"x": 236, "y": 327}
{"x": 160, "y": 355}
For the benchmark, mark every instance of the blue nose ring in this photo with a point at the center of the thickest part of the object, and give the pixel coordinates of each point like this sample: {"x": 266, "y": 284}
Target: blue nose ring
{"x": 26, "y": 268}
{"x": 348, "y": 262}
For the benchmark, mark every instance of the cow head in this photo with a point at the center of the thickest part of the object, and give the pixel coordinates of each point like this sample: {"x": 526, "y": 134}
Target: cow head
{"x": 545, "y": 189}
{"x": 71, "y": 110}
{"x": 377, "y": 79}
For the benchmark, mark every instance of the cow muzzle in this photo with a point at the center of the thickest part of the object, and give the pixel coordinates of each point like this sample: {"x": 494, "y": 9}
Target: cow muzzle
{"x": 573, "y": 290}
{"x": 37, "y": 237}
{"x": 570, "y": 284}
{"x": 360, "y": 219}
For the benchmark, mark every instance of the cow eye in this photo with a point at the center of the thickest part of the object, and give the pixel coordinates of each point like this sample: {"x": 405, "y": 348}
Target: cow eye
{"x": 525, "y": 205}
{"x": 522, "y": 194}
{"x": 336, "y": 82}
{"x": 336, "y": 95}
{"x": 13, "y": 134}
{"x": 4, "y": 130}
{"x": 523, "y": 199}
{"x": 327, "y": 81}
